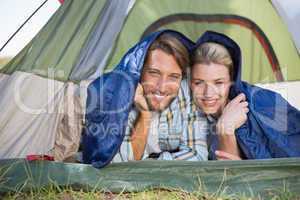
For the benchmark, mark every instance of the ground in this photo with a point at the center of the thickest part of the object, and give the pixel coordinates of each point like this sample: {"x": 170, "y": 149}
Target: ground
{"x": 57, "y": 193}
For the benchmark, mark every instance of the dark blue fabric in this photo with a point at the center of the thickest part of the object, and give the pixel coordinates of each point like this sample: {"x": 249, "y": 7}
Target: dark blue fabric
{"x": 273, "y": 126}
{"x": 109, "y": 101}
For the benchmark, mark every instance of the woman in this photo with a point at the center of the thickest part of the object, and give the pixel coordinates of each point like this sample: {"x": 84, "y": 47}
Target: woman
{"x": 250, "y": 122}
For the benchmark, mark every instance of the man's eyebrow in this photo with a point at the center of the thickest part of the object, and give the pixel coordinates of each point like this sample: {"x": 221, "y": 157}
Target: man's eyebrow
{"x": 150, "y": 67}
{"x": 197, "y": 79}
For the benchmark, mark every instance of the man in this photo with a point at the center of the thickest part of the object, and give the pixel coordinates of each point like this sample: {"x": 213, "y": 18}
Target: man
{"x": 159, "y": 121}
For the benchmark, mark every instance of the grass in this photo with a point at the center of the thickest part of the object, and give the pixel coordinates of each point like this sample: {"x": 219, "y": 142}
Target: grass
{"x": 68, "y": 194}
{"x": 55, "y": 192}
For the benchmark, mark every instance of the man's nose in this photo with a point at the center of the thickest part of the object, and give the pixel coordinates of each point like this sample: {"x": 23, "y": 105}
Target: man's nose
{"x": 162, "y": 85}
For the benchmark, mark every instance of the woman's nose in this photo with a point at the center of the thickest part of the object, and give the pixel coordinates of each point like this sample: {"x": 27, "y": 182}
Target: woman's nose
{"x": 209, "y": 90}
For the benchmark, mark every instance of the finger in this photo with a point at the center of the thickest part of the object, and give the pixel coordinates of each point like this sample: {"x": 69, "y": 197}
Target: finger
{"x": 225, "y": 155}
{"x": 139, "y": 99}
{"x": 219, "y": 158}
{"x": 221, "y": 154}
{"x": 139, "y": 89}
{"x": 244, "y": 104}
{"x": 239, "y": 98}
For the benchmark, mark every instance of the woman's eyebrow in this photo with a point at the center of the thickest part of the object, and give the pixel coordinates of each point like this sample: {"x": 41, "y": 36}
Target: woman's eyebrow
{"x": 220, "y": 79}
{"x": 175, "y": 74}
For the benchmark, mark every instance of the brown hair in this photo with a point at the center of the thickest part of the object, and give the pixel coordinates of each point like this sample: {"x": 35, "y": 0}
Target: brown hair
{"x": 211, "y": 52}
{"x": 172, "y": 46}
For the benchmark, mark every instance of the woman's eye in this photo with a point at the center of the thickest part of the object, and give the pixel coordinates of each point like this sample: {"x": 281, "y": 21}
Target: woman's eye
{"x": 219, "y": 83}
{"x": 175, "y": 78}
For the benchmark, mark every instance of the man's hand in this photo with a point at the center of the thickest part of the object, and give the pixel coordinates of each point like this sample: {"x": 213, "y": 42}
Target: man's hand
{"x": 139, "y": 99}
{"x": 233, "y": 116}
{"x": 222, "y": 155}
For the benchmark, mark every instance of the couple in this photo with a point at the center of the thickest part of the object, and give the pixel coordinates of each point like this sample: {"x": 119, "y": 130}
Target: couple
{"x": 151, "y": 106}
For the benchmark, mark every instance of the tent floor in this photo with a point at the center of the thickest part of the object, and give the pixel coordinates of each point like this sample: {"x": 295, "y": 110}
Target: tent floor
{"x": 261, "y": 177}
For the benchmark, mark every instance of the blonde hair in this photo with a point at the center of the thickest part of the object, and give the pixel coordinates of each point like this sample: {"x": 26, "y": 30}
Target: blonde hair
{"x": 210, "y": 52}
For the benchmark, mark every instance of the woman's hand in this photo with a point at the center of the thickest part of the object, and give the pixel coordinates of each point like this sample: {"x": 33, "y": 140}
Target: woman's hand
{"x": 139, "y": 99}
{"x": 233, "y": 116}
{"x": 222, "y": 155}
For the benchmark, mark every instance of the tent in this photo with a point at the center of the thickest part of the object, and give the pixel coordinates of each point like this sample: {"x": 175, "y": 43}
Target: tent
{"x": 249, "y": 178}
{"x": 43, "y": 88}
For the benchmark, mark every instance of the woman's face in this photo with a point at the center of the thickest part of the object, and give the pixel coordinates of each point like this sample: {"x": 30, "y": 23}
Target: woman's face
{"x": 210, "y": 84}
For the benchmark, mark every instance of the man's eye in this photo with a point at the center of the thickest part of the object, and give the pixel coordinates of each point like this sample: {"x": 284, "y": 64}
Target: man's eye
{"x": 198, "y": 82}
{"x": 153, "y": 72}
{"x": 219, "y": 83}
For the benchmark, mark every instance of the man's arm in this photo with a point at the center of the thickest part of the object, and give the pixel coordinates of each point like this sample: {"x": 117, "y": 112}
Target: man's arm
{"x": 193, "y": 145}
{"x": 140, "y": 130}
{"x": 140, "y": 134}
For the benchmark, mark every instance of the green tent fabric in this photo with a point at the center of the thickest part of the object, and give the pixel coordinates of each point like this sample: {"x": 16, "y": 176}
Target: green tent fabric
{"x": 255, "y": 25}
{"x": 251, "y": 177}
{"x": 269, "y": 53}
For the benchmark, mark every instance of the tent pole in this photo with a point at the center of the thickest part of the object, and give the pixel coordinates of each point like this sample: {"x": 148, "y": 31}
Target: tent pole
{"x": 13, "y": 35}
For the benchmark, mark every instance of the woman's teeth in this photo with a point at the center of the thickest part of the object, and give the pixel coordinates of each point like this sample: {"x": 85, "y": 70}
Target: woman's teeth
{"x": 210, "y": 102}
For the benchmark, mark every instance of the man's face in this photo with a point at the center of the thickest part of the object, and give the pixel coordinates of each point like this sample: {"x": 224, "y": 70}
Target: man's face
{"x": 210, "y": 84}
{"x": 160, "y": 79}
